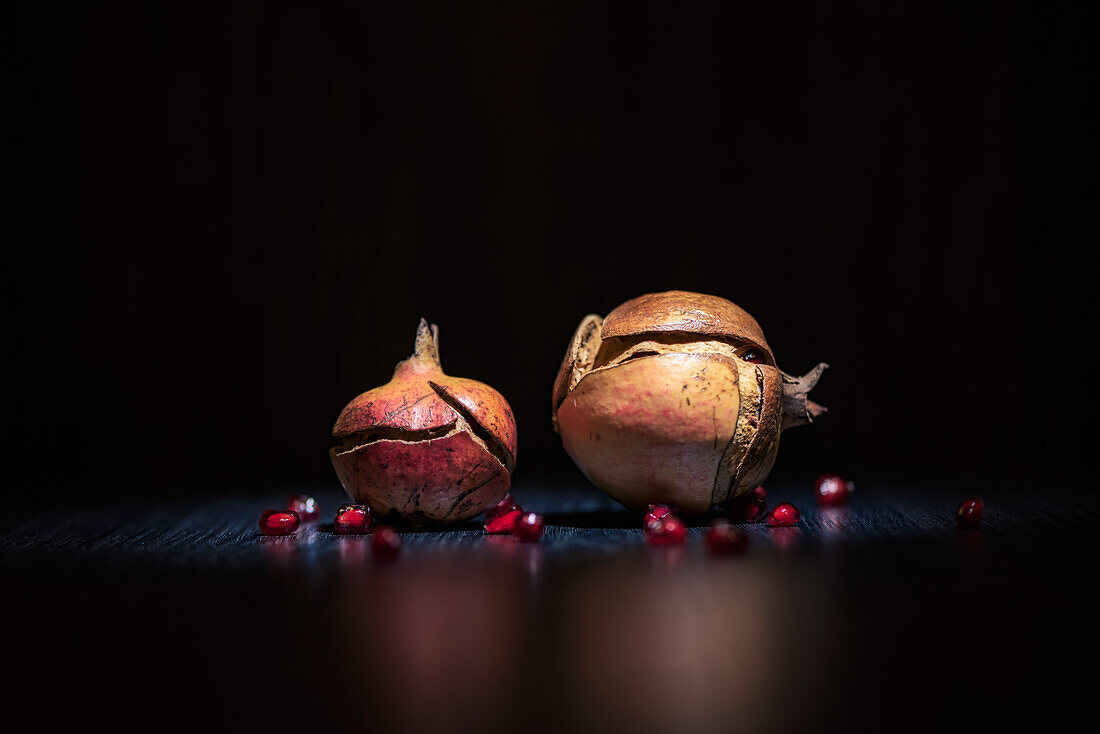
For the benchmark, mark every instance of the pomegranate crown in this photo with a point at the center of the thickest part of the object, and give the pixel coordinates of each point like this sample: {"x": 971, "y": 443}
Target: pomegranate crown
{"x": 425, "y": 350}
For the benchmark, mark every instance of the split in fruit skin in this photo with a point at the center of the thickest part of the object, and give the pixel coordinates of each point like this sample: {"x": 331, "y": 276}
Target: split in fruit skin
{"x": 667, "y": 354}
{"x": 426, "y": 448}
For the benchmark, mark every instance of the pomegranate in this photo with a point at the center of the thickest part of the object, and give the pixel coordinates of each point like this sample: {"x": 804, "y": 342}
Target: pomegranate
{"x": 675, "y": 398}
{"x": 426, "y": 447}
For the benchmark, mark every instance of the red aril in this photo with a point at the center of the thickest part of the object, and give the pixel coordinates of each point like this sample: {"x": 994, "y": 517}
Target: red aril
{"x": 667, "y": 530}
{"x": 279, "y": 522}
{"x": 503, "y": 521}
{"x": 305, "y": 506}
{"x": 352, "y": 519}
{"x": 832, "y": 490}
{"x": 385, "y": 543}
{"x": 970, "y": 514}
{"x": 528, "y": 527}
{"x": 722, "y": 538}
{"x": 784, "y": 515}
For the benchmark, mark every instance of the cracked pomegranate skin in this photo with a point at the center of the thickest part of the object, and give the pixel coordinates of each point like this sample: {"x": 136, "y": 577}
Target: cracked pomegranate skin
{"x": 675, "y": 398}
{"x": 426, "y": 447}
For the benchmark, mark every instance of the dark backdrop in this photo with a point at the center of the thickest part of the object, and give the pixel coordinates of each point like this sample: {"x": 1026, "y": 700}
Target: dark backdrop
{"x": 225, "y": 223}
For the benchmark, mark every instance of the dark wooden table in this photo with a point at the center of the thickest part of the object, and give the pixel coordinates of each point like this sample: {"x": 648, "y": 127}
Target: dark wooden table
{"x": 878, "y": 617}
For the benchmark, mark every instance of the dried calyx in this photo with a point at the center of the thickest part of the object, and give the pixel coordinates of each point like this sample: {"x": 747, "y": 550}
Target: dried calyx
{"x": 675, "y": 397}
{"x": 426, "y": 447}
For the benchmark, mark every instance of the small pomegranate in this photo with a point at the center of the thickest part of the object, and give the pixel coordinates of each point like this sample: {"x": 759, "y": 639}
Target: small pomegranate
{"x": 385, "y": 543}
{"x": 666, "y": 530}
{"x": 784, "y": 515}
{"x": 279, "y": 522}
{"x": 426, "y": 447}
{"x": 352, "y": 519}
{"x": 833, "y": 490}
{"x": 528, "y": 527}
{"x": 969, "y": 516}
{"x": 723, "y": 539}
{"x": 305, "y": 506}
{"x": 675, "y": 398}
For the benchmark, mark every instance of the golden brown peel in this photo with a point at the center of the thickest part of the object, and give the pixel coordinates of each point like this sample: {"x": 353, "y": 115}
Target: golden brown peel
{"x": 656, "y": 403}
{"x": 426, "y": 447}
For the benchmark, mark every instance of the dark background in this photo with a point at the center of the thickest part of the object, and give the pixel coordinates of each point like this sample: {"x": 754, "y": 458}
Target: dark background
{"x": 225, "y": 223}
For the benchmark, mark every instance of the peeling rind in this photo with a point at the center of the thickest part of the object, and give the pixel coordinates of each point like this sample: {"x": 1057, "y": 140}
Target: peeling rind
{"x": 610, "y": 384}
{"x": 685, "y": 312}
{"x": 426, "y": 447}
{"x": 579, "y": 358}
{"x": 442, "y": 480}
{"x": 487, "y": 408}
{"x": 414, "y": 406}
{"x": 751, "y": 454}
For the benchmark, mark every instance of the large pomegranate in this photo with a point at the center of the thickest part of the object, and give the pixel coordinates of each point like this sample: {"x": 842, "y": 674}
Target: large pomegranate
{"x": 426, "y": 447}
{"x": 675, "y": 398}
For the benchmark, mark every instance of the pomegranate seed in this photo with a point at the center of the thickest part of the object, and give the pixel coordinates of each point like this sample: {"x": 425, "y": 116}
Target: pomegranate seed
{"x": 832, "y": 490}
{"x": 528, "y": 527}
{"x": 503, "y": 521}
{"x": 279, "y": 522}
{"x": 759, "y": 492}
{"x": 385, "y": 543}
{"x": 504, "y": 505}
{"x": 352, "y": 519}
{"x": 753, "y": 355}
{"x": 667, "y": 530}
{"x": 747, "y": 508}
{"x": 305, "y": 506}
{"x": 724, "y": 539}
{"x": 784, "y": 515}
{"x": 970, "y": 514}
{"x": 658, "y": 512}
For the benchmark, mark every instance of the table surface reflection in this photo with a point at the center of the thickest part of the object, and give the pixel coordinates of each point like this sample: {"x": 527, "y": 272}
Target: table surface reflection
{"x": 879, "y": 615}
